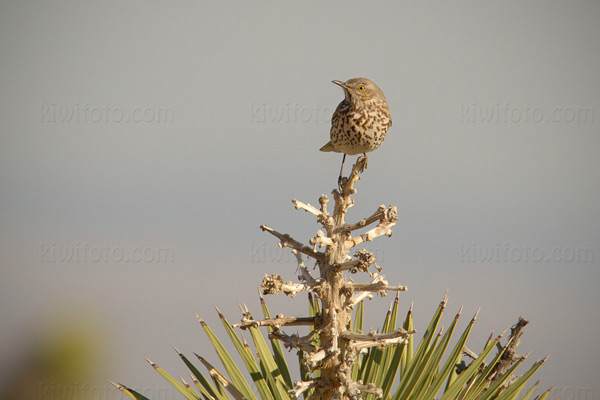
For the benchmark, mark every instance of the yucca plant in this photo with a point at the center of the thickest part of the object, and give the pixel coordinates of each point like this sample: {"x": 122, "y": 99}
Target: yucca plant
{"x": 337, "y": 359}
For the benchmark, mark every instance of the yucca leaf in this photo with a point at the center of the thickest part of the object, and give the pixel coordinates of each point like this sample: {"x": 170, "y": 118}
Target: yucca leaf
{"x": 394, "y": 316}
{"x": 219, "y": 386}
{"x": 544, "y": 395}
{"x": 418, "y": 375}
{"x": 492, "y": 391}
{"x": 408, "y": 351}
{"x": 276, "y": 346}
{"x": 450, "y": 364}
{"x": 430, "y": 369}
{"x": 389, "y": 326}
{"x": 230, "y": 366}
{"x": 373, "y": 361}
{"x": 247, "y": 347}
{"x": 392, "y": 369}
{"x": 314, "y": 310}
{"x": 482, "y": 381}
{"x": 188, "y": 386}
{"x": 203, "y": 391}
{"x": 221, "y": 380}
{"x": 357, "y": 327}
{"x": 129, "y": 392}
{"x": 387, "y": 353}
{"x": 265, "y": 372}
{"x": 453, "y": 373}
{"x": 427, "y": 337}
{"x": 175, "y": 383}
{"x": 515, "y": 388}
{"x": 272, "y": 372}
{"x": 431, "y": 329}
{"x": 455, "y": 388}
{"x": 358, "y": 317}
{"x": 433, "y": 377}
{"x": 530, "y": 391}
{"x": 387, "y": 320}
{"x": 467, "y": 389}
{"x": 367, "y": 364}
{"x": 205, "y": 388}
{"x": 248, "y": 359}
{"x": 415, "y": 367}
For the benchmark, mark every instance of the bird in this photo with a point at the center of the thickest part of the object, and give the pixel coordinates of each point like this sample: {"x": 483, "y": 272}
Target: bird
{"x": 360, "y": 122}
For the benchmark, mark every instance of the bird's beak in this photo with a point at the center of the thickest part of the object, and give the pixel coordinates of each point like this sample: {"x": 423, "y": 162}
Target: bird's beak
{"x": 340, "y": 83}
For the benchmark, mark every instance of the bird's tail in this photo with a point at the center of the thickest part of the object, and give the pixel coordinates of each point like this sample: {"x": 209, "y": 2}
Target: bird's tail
{"x": 327, "y": 147}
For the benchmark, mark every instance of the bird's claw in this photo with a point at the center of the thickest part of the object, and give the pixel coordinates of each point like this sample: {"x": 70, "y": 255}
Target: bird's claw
{"x": 363, "y": 162}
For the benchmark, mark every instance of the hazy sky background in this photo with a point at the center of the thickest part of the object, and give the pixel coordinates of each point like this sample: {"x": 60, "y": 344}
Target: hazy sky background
{"x": 494, "y": 147}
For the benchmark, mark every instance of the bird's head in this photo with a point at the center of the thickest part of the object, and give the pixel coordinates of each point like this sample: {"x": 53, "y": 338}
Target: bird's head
{"x": 360, "y": 89}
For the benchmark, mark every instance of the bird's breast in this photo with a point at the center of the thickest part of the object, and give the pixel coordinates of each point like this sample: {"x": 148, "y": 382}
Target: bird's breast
{"x": 359, "y": 127}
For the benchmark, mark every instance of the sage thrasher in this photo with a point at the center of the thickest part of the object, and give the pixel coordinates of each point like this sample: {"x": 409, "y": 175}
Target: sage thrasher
{"x": 361, "y": 121}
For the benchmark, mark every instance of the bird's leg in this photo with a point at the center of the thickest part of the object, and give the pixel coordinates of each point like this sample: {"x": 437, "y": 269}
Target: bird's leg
{"x": 341, "y": 171}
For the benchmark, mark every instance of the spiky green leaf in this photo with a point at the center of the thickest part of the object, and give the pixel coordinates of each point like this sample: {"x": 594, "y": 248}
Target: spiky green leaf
{"x": 175, "y": 383}
{"x": 230, "y": 366}
{"x": 130, "y": 392}
{"x": 249, "y": 361}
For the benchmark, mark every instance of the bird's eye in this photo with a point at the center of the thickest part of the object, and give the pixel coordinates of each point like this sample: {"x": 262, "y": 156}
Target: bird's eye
{"x": 362, "y": 88}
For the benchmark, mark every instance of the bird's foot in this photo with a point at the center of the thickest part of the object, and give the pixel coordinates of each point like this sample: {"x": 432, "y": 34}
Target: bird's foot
{"x": 362, "y": 162}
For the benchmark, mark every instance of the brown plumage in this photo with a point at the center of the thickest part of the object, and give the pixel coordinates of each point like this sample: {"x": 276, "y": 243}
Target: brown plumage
{"x": 361, "y": 121}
